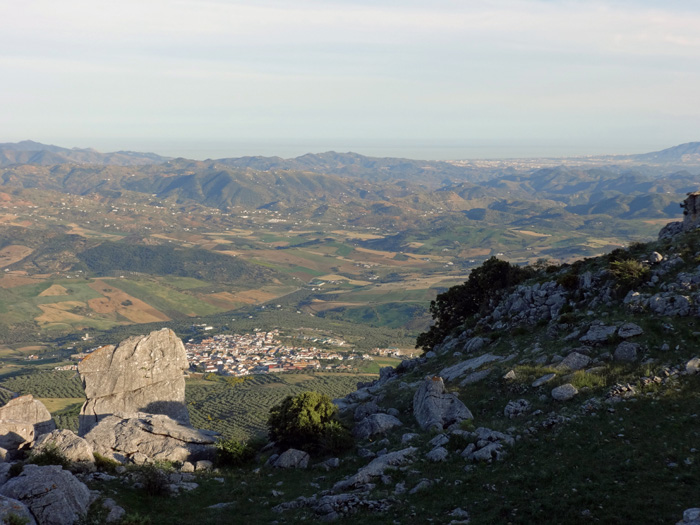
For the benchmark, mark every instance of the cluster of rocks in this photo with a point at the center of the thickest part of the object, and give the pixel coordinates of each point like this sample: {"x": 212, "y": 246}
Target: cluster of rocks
{"x": 134, "y": 413}
{"x": 330, "y": 507}
{"x": 528, "y": 304}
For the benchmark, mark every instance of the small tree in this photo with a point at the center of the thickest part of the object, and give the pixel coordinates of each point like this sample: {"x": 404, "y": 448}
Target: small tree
{"x": 303, "y": 421}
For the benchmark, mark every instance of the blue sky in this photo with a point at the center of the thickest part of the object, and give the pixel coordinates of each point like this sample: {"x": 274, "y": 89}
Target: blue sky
{"x": 438, "y": 79}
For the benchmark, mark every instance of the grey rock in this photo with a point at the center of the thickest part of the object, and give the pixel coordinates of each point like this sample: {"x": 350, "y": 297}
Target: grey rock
{"x": 366, "y": 409}
{"x": 329, "y": 464}
{"x": 439, "y": 440}
{"x": 598, "y": 333}
{"x": 376, "y": 468}
{"x": 453, "y": 372}
{"x": 150, "y": 437}
{"x": 410, "y": 436}
{"x": 574, "y": 361}
{"x": 490, "y": 452}
{"x": 626, "y": 352}
{"x": 690, "y": 517}
{"x": 433, "y": 408}
{"x": 510, "y": 375}
{"x": 564, "y": 392}
{"x": 203, "y": 465}
{"x": 54, "y": 496}
{"x": 542, "y": 380}
{"x": 475, "y": 377}
{"x": 115, "y": 512}
{"x": 628, "y": 330}
{"x": 375, "y": 424}
{"x": 74, "y": 448}
{"x": 422, "y": 485}
{"x": 292, "y": 458}
{"x": 655, "y": 258}
{"x": 516, "y": 408}
{"x": 9, "y": 507}
{"x": 693, "y": 366}
{"x": 15, "y": 435}
{"x": 475, "y": 344}
{"x": 29, "y": 410}
{"x": 437, "y": 455}
{"x": 187, "y": 467}
{"x": 141, "y": 374}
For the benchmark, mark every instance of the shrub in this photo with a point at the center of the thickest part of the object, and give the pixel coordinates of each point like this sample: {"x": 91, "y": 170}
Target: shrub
{"x": 629, "y": 273}
{"x": 135, "y": 519}
{"x": 105, "y": 463}
{"x": 233, "y": 453}
{"x": 453, "y": 307}
{"x": 304, "y": 421}
{"x": 336, "y": 438}
{"x": 15, "y": 519}
{"x": 155, "y": 482}
{"x": 50, "y": 455}
{"x": 568, "y": 281}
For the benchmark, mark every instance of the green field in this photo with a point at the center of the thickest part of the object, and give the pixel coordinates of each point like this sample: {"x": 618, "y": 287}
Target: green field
{"x": 168, "y": 300}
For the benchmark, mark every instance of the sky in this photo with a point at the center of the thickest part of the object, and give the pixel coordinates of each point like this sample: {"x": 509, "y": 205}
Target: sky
{"x": 436, "y": 79}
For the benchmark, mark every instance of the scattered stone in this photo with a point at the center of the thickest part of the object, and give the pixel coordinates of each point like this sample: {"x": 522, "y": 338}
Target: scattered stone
{"x": 366, "y": 409}
{"x": 292, "y": 458}
{"x": 489, "y": 452}
{"x": 574, "y": 361}
{"x": 115, "y": 512}
{"x": 628, "y": 330}
{"x": 410, "y": 436}
{"x": 141, "y": 374}
{"x": 329, "y": 464}
{"x": 439, "y": 440}
{"x": 655, "y": 258}
{"x": 510, "y": 375}
{"x": 333, "y": 507}
{"x": 376, "y": 468}
{"x": 626, "y": 352}
{"x": 690, "y": 517}
{"x": 74, "y": 448}
{"x": 437, "y": 455}
{"x": 475, "y": 377}
{"x": 187, "y": 467}
{"x": 433, "y": 408}
{"x": 598, "y": 333}
{"x": 54, "y": 496}
{"x": 453, "y": 372}
{"x": 542, "y": 380}
{"x": 516, "y": 408}
{"x": 564, "y": 392}
{"x": 203, "y": 465}
{"x": 693, "y": 366}
{"x": 375, "y": 424}
{"x": 422, "y": 485}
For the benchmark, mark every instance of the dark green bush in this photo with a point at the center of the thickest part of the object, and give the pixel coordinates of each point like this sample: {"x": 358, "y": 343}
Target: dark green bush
{"x": 568, "y": 281}
{"x": 105, "y": 463}
{"x": 233, "y": 453}
{"x": 629, "y": 273}
{"x": 154, "y": 480}
{"x": 307, "y": 421}
{"x": 50, "y": 455}
{"x": 453, "y": 307}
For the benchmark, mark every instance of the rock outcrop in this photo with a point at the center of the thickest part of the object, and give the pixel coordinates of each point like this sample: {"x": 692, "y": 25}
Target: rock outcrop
{"x": 145, "y": 437}
{"x": 54, "y": 496}
{"x": 74, "y": 448}
{"x": 433, "y": 408}
{"x": 141, "y": 374}
{"x": 28, "y": 410}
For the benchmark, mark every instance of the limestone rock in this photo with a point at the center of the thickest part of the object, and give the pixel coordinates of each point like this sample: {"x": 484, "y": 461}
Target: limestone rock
{"x": 375, "y": 424}
{"x": 150, "y": 436}
{"x": 516, "y": 408}
{"x": 626, "y": 352}
{"x": 475, "y": 377}
{"x": 437, "y": 455}
{"x": 292, "y": 458}
{"x": 598, "y": 333}
{"x": 28, "y": 410}
{"x": 655, "y": 258}
{"x": 141, "y": 374}
{"x": 74, "y": 448}
{"x": 453, "y": 372}
{"x": 54, "y": 496}
{"x": 15, "y": 435}
{"x": 693, "y": 366}
{"x": 628, "y": 330}
{"x": 574, "y": 361}
{"x": 690, "y": 517}
{"x": 9, "y": 506}
{"x": 564, "y": 392}
{"x": 376, "y": 468}
{"x": 542, "y": 380}
{"x": 433, "y": 408}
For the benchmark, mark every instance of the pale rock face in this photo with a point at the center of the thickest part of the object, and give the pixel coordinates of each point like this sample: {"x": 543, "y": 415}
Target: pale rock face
{"x": 375, "y": 424}
{"x": 74, "y": 448}
{"x": 146, "y": 437}
{"x": 433, "y": 408}
{"x": 292, "y": 458}
{"x": 28, "y": 410}
{"x": 54, "y": 496}
{"x": 564, "y": 392}
{"x": 141, "y": 374}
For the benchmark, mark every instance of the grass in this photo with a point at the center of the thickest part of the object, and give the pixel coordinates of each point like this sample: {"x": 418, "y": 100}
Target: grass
{"x": 166, "y": 299}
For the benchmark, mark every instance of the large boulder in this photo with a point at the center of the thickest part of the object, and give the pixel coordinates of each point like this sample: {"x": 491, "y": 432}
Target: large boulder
{"x": 54, "y": 496}
{"x": 145, "y": 437}
{"x": 28, "y": 410}
{"x": 141, "y": 374}
{"x": 292, "y": 458}
{"x": 434, "y": 408}
{"x": 15, "y": 435}
{"x": 74, "y": 448}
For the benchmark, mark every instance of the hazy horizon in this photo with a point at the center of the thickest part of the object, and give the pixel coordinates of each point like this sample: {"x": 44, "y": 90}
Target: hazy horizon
{"x": 449, "y": 80}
